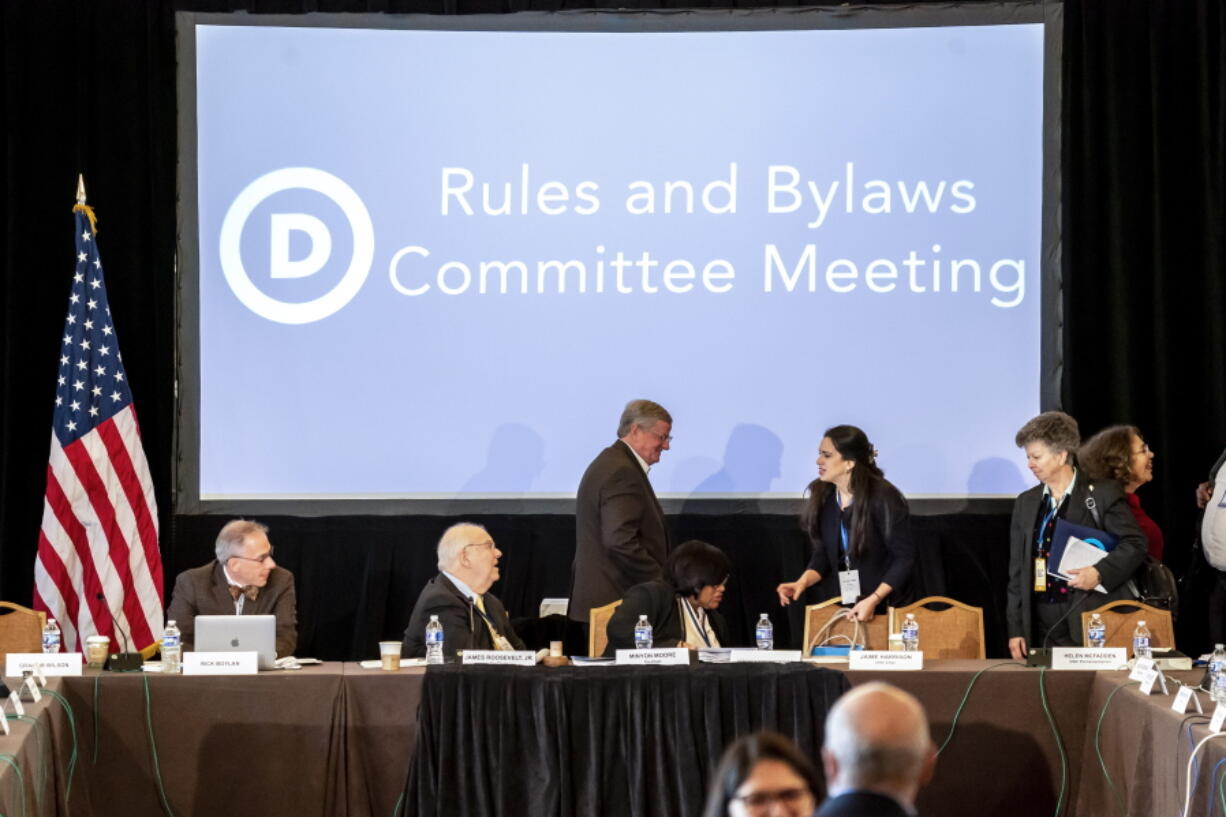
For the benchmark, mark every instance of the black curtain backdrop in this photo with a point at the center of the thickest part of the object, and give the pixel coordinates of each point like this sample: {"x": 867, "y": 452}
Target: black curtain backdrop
{"x": 89, "y": 86}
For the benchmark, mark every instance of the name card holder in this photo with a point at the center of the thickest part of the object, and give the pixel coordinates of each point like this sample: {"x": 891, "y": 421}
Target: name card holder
{"x": 752, "y": 656}
{"x": 1219, "y": 716}
{"x": 1096, "y": 658}
{"x": 654, "y": 657}
{"x": 885, "y": 660}
{"x": 512, "y": 658}
{"x": 42, "y": 663}
{"x": 221, "y": 663}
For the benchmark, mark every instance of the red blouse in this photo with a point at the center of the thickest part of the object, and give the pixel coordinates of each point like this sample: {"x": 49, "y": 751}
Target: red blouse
{"x": 1153, "y": 533}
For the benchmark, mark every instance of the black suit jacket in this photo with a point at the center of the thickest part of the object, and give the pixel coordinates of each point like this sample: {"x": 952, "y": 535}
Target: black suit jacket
{"x": 657, "y": 601}
{"x": 204, "y": 591}
{"x": 1115, "y": 517}
{"x": 888, "y": 554}
{"x": 621, "y": 534}
{"x": 861, "y": 804}
{"x": 463, "y": 627}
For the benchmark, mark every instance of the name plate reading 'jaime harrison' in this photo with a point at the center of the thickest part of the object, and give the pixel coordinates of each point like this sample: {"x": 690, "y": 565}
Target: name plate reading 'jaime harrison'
{"x": 671, "y": 655}
{"x": 221, "y": 663}
{"x": 1107, "y": 658}
{"x": 885, "y": 659}
{"x": 752, "y": 656}
{"x": 55, "y": 663}
{"x": 514, "y": 658}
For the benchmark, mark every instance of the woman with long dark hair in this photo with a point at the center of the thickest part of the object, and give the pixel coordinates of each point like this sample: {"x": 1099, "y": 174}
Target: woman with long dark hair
{"x": 859, "y": 524}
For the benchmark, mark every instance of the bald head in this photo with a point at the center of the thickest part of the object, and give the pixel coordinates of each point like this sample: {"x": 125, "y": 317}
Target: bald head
{"x": 877, "y": 739}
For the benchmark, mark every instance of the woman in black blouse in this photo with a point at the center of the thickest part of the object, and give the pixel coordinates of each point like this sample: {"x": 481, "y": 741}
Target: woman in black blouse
{"x": 859, "y": 524}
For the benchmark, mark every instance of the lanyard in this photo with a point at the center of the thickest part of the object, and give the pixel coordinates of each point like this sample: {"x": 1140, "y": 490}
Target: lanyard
{"x": 699, "y": 625}
{"x": 1047, "y": 517}
{"x": 843, "y": 530}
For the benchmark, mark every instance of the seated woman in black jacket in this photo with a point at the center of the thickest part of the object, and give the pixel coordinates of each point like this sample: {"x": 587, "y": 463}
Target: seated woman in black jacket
{"x": 681, "y": 609}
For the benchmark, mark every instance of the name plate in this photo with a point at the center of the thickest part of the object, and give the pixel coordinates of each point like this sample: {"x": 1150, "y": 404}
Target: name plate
{"x": 885, "y": 659}
{"x": 1106, "y": 658}
{"x": 751, "y": 656}
{"x": 221, "y": 663}
{"x": 1140, "y": 669}
{"x": 670, "y": 655}
{"x": 514, "y": 658}
{"x": 55, "y": 663}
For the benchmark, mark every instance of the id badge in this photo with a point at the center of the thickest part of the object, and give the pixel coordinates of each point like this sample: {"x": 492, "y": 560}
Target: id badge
{"x": 1040, "y": 574}
{"x": 849, "y": 584}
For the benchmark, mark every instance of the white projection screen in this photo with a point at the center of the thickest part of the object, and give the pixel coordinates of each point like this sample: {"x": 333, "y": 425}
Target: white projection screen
{"x": 424, "y": 262}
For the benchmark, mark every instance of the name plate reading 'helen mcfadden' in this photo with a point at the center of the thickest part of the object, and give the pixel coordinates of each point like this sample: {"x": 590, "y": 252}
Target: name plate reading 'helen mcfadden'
{"x": 56, "y": 663}
{"x": 671, "y": 655}
{"x": 221, "y": 663}
{"x": 885, "y": 659}
{"x": 514, "y": 658}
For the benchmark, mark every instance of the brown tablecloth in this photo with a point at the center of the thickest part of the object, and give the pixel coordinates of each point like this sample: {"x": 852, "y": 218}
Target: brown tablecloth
{"x": 31, "y": 775}
{"x": 380, "y": 733}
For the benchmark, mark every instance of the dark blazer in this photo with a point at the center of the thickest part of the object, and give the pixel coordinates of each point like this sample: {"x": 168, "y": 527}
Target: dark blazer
{"x": 861, "y": 804}
{"x": 204, "y": 591}
{"x": 657, "y": 601}
{"x": 463, "y": 627}
{"x": 888, "y": 554}
{"x": 621, "y": 534}
{"x": 1116, "y": 569}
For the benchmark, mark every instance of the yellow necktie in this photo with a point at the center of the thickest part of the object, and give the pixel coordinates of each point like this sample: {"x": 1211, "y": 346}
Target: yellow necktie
{"x": 485, "y": 617}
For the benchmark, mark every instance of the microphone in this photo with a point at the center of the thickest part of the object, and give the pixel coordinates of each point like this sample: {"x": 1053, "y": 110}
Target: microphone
{"x": 1041, "y": 657}
{"x": 126, "y": 661}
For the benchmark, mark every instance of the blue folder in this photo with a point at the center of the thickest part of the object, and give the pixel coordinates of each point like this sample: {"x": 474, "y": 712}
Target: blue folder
{"x": 1059, "y": 541}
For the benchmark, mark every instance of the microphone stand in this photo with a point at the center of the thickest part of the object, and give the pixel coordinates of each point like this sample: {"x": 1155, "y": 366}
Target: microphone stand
{"x": 126, "y": 661}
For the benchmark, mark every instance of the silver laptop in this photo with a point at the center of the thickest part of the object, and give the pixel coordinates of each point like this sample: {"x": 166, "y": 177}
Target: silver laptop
{"x": 239, "y": 634}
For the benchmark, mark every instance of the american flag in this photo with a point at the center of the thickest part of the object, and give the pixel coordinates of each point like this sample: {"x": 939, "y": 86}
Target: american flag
{"x": 98, "y": 556}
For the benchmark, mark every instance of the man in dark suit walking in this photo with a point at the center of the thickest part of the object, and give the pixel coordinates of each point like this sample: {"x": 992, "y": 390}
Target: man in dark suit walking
{"x": 877, "y": 753}
{"x": 622, "y": 536}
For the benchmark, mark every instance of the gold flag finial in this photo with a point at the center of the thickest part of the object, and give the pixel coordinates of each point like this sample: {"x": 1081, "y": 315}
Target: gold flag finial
{"x": 80, "y": 188}
{"x": 80, "y": 205}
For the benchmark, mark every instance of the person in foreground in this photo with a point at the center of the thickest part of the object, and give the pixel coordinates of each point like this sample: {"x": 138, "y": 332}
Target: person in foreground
{"x": 681, "y": 609}
{"x": 621, "y": 534}
{"x": 877, "y": 753}
{"x": 1121, "y": 454}
{"x": 243, "y": 580}
{"x": 763, "y": 775}
{"x": 1043, "y": 610}
{"x": 472, "y": 617}
{"x": 860, "y": 526}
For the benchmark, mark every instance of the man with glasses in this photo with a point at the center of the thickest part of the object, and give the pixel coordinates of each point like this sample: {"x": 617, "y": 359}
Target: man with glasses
{"x": 472, "y": 617}
{"x": 622, "y": 537}
{"x": 243, "y": 580}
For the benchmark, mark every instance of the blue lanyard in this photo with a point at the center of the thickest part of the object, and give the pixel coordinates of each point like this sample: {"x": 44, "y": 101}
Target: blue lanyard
{"x": 842, "y": 530}
{"x": 1046, "y": 519}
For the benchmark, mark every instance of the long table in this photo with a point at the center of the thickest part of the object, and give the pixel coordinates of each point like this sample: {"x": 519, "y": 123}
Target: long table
{"x": 339, "y": 740}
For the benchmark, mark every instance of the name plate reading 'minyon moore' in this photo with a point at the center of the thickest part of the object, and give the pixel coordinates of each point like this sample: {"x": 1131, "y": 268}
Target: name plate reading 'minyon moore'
{"x": 1108, "y": 658}
{"x": 221, "y": 663}
{"x": 670, "y": 655}
{"x": 514, "y": 658}
{"x": 885, "y": 659}
{"x": 54, "y": 663}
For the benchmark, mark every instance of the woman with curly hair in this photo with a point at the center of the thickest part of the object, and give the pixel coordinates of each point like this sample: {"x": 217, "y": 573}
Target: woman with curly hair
{"x": 1120, "y": 453}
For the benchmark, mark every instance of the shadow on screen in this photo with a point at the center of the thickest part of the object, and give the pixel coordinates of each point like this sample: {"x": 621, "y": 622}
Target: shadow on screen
{"x": 751, "y": 462}
{"x": 996, "y": 475}
{"x": 515, "y": 459}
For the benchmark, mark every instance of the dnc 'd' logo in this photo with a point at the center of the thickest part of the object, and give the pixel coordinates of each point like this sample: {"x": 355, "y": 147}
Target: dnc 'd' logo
{"x": 281, "y": 227}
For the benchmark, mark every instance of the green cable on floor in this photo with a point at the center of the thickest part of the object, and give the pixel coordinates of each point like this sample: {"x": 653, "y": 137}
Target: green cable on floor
{"x": 1051, "y": 721}
{"x": 72, "y": 758}
{"x": 153, "y": 747}
{"x": 1098, "y": 744}
{"x": 966, "y": 696}
{"x": 12, "y": 761}
{"x": 395, "y": 811}
{"x": 1221, "y": 792}
{"x": 40, "y": 772}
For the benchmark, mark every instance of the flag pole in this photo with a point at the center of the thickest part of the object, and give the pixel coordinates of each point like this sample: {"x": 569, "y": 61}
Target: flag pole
{"x": 82, "y": 206}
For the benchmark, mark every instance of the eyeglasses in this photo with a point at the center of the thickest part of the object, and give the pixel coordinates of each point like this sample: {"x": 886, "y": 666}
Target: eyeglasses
{"x": 664, "y": 438}
{"x": 262, "y": 558}
{"x": 489, "y": 544}
{"x": 1144, "y": 449}
{"x": 761, "y": 800}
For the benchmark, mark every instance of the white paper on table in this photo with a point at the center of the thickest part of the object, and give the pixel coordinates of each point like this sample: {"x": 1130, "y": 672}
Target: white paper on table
{"x": 1079, "y": 553}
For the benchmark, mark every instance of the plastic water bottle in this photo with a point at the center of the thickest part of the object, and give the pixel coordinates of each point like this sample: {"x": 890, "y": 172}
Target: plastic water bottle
{"x": 434, "y": 641}
{"x": 51, "y": 636}
{"x": 1217, "y": 674}
{"x": 642, "y": 634}
{"x": 910, "y": 633}
{"x": 765, "y": 632}
{"x": 1140, "y": 642}
{"x": 1096, "y": 633}
{"x": 172, "y": 648}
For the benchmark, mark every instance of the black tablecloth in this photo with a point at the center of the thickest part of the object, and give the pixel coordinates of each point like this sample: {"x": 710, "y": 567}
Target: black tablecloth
{"x": 633, "y": 741}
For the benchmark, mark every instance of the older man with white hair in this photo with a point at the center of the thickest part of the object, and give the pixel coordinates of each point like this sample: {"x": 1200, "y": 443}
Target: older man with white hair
{"x": 472, "y": 617}
{"x": 877, "y": 753}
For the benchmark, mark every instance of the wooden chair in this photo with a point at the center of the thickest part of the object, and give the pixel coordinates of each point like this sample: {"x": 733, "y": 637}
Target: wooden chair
{"x": 876, "y": 632}
{"x": 952, "y": 630}
{"x": 598, "y": 626}
{"x": 21, "y": 629}
{"x": 1121, "y": 617}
